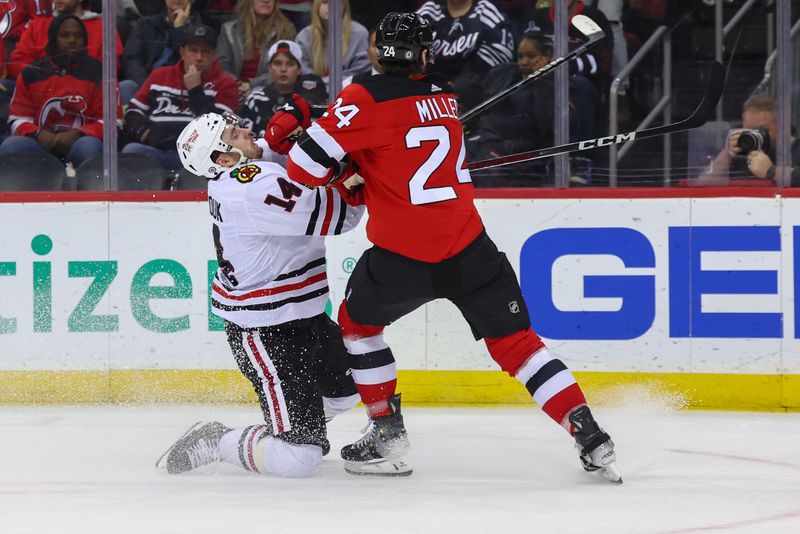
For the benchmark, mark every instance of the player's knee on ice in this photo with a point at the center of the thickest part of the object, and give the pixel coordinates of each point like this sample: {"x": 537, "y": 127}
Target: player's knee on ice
{"x": 272, "y": 455}
{"x": 290, "y": 460}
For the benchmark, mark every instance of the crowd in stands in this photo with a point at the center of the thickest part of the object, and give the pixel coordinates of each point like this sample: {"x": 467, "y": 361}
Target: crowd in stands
{"x": 178, "y": 59}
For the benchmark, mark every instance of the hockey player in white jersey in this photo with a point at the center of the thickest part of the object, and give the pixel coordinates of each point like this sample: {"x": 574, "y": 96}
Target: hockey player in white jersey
{"x": 271, "y": 289}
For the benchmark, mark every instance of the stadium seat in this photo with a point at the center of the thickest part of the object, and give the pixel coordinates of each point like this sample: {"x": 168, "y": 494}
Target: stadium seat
{"x": 134, "y": 173}
{"x": 31, "y": 172}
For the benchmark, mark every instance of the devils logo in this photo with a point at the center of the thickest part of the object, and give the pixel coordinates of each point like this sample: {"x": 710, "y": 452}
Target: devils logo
{"x": 63, "y": 113}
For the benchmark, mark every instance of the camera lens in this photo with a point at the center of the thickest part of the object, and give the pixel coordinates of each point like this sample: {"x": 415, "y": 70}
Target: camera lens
{"x": 747, "y": 142}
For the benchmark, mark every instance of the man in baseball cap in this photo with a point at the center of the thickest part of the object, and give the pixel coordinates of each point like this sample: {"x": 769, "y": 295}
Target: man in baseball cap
{"x": 172, "y": 95}
{"x": 290, "y": 48}
{"x": 287, "y": 83}
{"x": 200, "y": 33}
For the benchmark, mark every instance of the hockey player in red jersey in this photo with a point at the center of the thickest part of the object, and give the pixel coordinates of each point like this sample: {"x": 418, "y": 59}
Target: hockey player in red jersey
{"x": 271, "y": 289}
{"x": 401, "y": 131}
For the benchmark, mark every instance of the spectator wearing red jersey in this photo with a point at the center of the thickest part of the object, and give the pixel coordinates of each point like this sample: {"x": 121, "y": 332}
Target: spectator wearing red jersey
{"x": 58, "y": 102}
{"x": 15, "y": 14}
{"x": 31, "y": 45}
{"x": 172, "y": 96}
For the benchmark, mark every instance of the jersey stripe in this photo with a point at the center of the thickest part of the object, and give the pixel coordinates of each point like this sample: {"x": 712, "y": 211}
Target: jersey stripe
{"x": 326, "y": 223}
{"x": 271, "y": 382}
{"x": 305, "y": 153}
{"x": 432, "y": 10}
{"x": 342, "y": 213}
{"x": 318, "y": 146}
{"x": 271, "y": 305}
{"x": 488, "y": 14}
{"x": 332, "y": 149}
{"x": 312, "y": 221}
{"x": 302, "y": 270}
{"x": 273, "y": 290}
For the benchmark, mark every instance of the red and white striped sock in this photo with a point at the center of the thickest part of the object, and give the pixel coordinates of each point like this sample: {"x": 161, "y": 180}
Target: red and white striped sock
{"x": 371, "y": 362}
{"x": 552, "y": 386}
{"x": 240, "y": 447}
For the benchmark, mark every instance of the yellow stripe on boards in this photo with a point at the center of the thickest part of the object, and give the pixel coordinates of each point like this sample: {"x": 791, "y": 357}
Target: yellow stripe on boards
{"x": 432, "y": 388}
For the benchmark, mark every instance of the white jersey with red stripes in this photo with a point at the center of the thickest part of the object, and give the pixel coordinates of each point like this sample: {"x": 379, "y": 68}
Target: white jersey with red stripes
{"x": 269, "y": 238}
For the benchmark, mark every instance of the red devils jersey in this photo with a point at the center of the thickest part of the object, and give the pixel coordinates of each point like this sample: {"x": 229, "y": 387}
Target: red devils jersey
{"x": 405, "y": 138}
{"x": 14, "y": 14}
{"x": 48, "y": 97}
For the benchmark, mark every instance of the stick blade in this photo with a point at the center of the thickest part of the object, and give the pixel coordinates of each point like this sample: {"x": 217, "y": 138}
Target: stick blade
{"x": 587, "y": 27}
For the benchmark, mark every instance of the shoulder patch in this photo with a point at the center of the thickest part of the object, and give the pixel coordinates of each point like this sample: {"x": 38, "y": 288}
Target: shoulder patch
{"x": 246, "y": 173}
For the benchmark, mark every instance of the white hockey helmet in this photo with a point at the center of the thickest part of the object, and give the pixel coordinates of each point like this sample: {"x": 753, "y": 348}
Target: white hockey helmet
{"x": 201, "y": 138}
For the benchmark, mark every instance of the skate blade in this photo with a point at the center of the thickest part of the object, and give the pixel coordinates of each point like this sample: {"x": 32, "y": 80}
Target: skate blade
{"x": 382, "y": 468}
{"x": 161, "y": 463}
{"x": 611, "y": 473}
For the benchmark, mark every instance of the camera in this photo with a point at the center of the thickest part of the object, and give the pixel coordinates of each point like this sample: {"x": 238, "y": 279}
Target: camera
{"x": 755, "y": 139}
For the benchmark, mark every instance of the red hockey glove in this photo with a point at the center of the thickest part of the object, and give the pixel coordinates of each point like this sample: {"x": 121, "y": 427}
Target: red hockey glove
{"x": 353, "y": 195}
{"x": 289, "y": 117}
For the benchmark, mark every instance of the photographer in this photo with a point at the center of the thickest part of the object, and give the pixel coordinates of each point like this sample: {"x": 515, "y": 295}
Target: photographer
{"x": 750, "y": 151}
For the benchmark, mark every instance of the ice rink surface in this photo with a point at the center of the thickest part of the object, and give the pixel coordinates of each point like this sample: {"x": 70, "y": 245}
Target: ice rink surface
{"x": 87, "y": 470}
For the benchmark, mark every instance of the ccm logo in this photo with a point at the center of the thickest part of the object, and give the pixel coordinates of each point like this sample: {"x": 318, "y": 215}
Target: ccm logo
{"x": 605, "y": 141}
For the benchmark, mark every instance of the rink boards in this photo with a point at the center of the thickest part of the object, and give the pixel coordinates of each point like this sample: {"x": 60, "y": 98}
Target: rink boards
{"x": 687, "y": 294}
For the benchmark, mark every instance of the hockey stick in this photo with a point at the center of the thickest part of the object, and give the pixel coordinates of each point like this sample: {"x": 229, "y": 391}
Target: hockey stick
{"x": 583, "y": 24}
{"x": 704, "y": 110}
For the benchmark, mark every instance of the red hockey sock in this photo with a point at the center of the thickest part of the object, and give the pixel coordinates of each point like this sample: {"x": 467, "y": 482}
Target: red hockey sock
{"x": 512, "y": 351}
{"x": 375, "y": 397}
{"x": 563, "y": 403}
{"x": 551, "y": 385}
{"x": 371, "y": 361}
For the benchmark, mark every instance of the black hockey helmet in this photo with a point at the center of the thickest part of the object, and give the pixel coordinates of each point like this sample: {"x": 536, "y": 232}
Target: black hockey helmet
{"x": 401, "y": 38}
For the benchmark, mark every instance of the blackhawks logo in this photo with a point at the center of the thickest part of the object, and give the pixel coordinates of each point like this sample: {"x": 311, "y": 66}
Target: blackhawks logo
{"x": 245, "y": 173}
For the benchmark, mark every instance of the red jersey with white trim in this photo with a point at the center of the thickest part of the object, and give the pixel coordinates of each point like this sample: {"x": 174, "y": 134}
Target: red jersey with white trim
{"x": 269, "y": 238}
{"x": 405, "y": 138}
{"x": 51, "y": 97}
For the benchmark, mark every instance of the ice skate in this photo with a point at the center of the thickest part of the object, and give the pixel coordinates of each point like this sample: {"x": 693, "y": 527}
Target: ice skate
{"x": 596, "y": 448}
{"x": 197, "y": 447}
{"x": 381, "y": 449}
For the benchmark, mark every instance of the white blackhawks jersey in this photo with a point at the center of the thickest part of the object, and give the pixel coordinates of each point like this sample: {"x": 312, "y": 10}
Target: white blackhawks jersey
{"x": 269, "y": 238}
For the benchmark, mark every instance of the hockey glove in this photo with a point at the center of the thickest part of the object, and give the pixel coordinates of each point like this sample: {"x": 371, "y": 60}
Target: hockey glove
{"x": 351, "y": 190}
{"x": 341, "y": 171}
{"x": 289, "y": 117}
